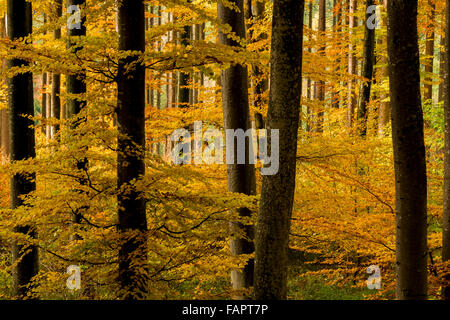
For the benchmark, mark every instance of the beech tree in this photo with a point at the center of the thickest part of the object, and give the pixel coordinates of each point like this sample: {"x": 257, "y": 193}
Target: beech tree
{"x": 22, "y": 144}
{"x": 236, "y": 115}
{"x": 446, "y": 211}
{"x": 131, "y": 147}
{"x": 277, "y": 194}
{"x": 409, "y": 150}
{"x": 367, "y": 71}
{"x": 56, "y": 77}
{"x": 75, "y": 83}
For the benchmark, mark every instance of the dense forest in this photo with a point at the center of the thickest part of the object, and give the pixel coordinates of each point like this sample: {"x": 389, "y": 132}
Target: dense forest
{"x": 230, "y": 149}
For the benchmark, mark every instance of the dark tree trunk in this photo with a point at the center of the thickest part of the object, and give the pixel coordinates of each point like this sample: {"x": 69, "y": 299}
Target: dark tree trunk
{"x": 262, "y": 83}
{"x": 241, "y": 177}
{"x": 429, "y": 51}
{"x": 56, "y": 81}
{"x": 442, "y": 62}
{"x": 384, "y": 113}
{"x": 446, "y": 213}
{"x": 44, "y": 102}
{"x": 76, "y": 83}
{"x": 22, "y": 143}
{"x": 277, "y": 195}
{"x": 409, "y": 150}
{"x": 131, "y": 143}
{"x": 44, "y": 95}
{"x": 183, "y": 77}
{"x": 318, "y": 123}
{"x": 351, "y": 101}
{"x": 367, "y": 72}
{"x": 4, "y": 132}
{"x": 335, "y": 96}
{"x": 309, "y": 83}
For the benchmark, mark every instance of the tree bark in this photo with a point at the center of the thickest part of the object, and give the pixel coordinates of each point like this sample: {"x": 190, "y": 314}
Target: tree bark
{"x": 429, "y": 51}
{"x": 409, "y": 150}
{"x": 318, "y": 123}
{"x": 351, "y": 101}
{"x": 4, "y": 141}
{"x": 241, "y": 177}
{"x": 442, "y": 62}
{"x": 368, "y": 62}
{"x": 309, "y": 83}
{"x": 446, "y": 211}
{"x": 130, "y": 160}
{"x": 261, "y": 85}
{"x": 76, "y": 83}
{"x": 22, "y": 145}
{"x": 277, "y": 195}
{"x": 335, "y": 96}
{"x": 183, "y": 77}
{"x": 56, "y": 77}
{"x": 384, "y": 113}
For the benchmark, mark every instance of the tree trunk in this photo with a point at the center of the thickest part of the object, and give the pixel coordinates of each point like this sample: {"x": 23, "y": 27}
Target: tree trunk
{"x": 130, "y": 159}
{"x": 4, "y": 141}
{"x": 44, "y": 102}
{"x": 368, "y": 62}
{"x": 75, "y": 84}
{"x": 446, "y": 213}
{"x": 409, "y": 150}
{"x": 183, "y": 77}
{"x": 384, "y": 113}
{"x": 429, "y": 51}
{"x": 335, "y": 96}
{"x": 318, "y": 123}
{"x": 309, "y": 83}
{"x": 241, "y": 177}
{"x": 159, "y": 45}
{"x": 56, "y": 81}
{"x": 351, "y": 101}
{"x": 442, "y": 62}
{"x": 22, "y": 143}
{"x": 44, "y": 95}
{"x": 261, "y": 84}
{"x": 277, "y": 195}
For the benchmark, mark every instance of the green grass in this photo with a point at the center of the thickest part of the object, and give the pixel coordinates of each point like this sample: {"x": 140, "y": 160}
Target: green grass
{"x": 316, "y": 288}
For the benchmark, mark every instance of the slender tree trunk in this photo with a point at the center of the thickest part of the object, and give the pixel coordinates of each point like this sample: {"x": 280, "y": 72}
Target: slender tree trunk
{"x": 261, "y": 84}
{"x": 309, "y": 83}
{"x": 44, "y": 95}
{"x": 241, "y": 177}
{"x": 351, "y": 100}
{"x": 151, "y": 92}
{"x": 22, "y": 143}
{"x": 368, "y": 63}
{"x": 442, "y": 62}
{"x": 318, "y": 123}
{"x": 44, "y": 101}
{"x": 56, "y": 81}
{"x": 76, "y": 83}
{"x": 159, "y": 45}
{"x": 133, "y": 270}
{"x": 4, "y": 141}
{"x": 183, "y": 77}
{"x": 277, "y": 195}
{"x": 409, "y": 150}
{"x": 335, "y": 97}
{"x": 174, "y": 73}
{"x": 429, "y": 51}
{"x": 384, "y": 113}
{"x": 446, "y": 213}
